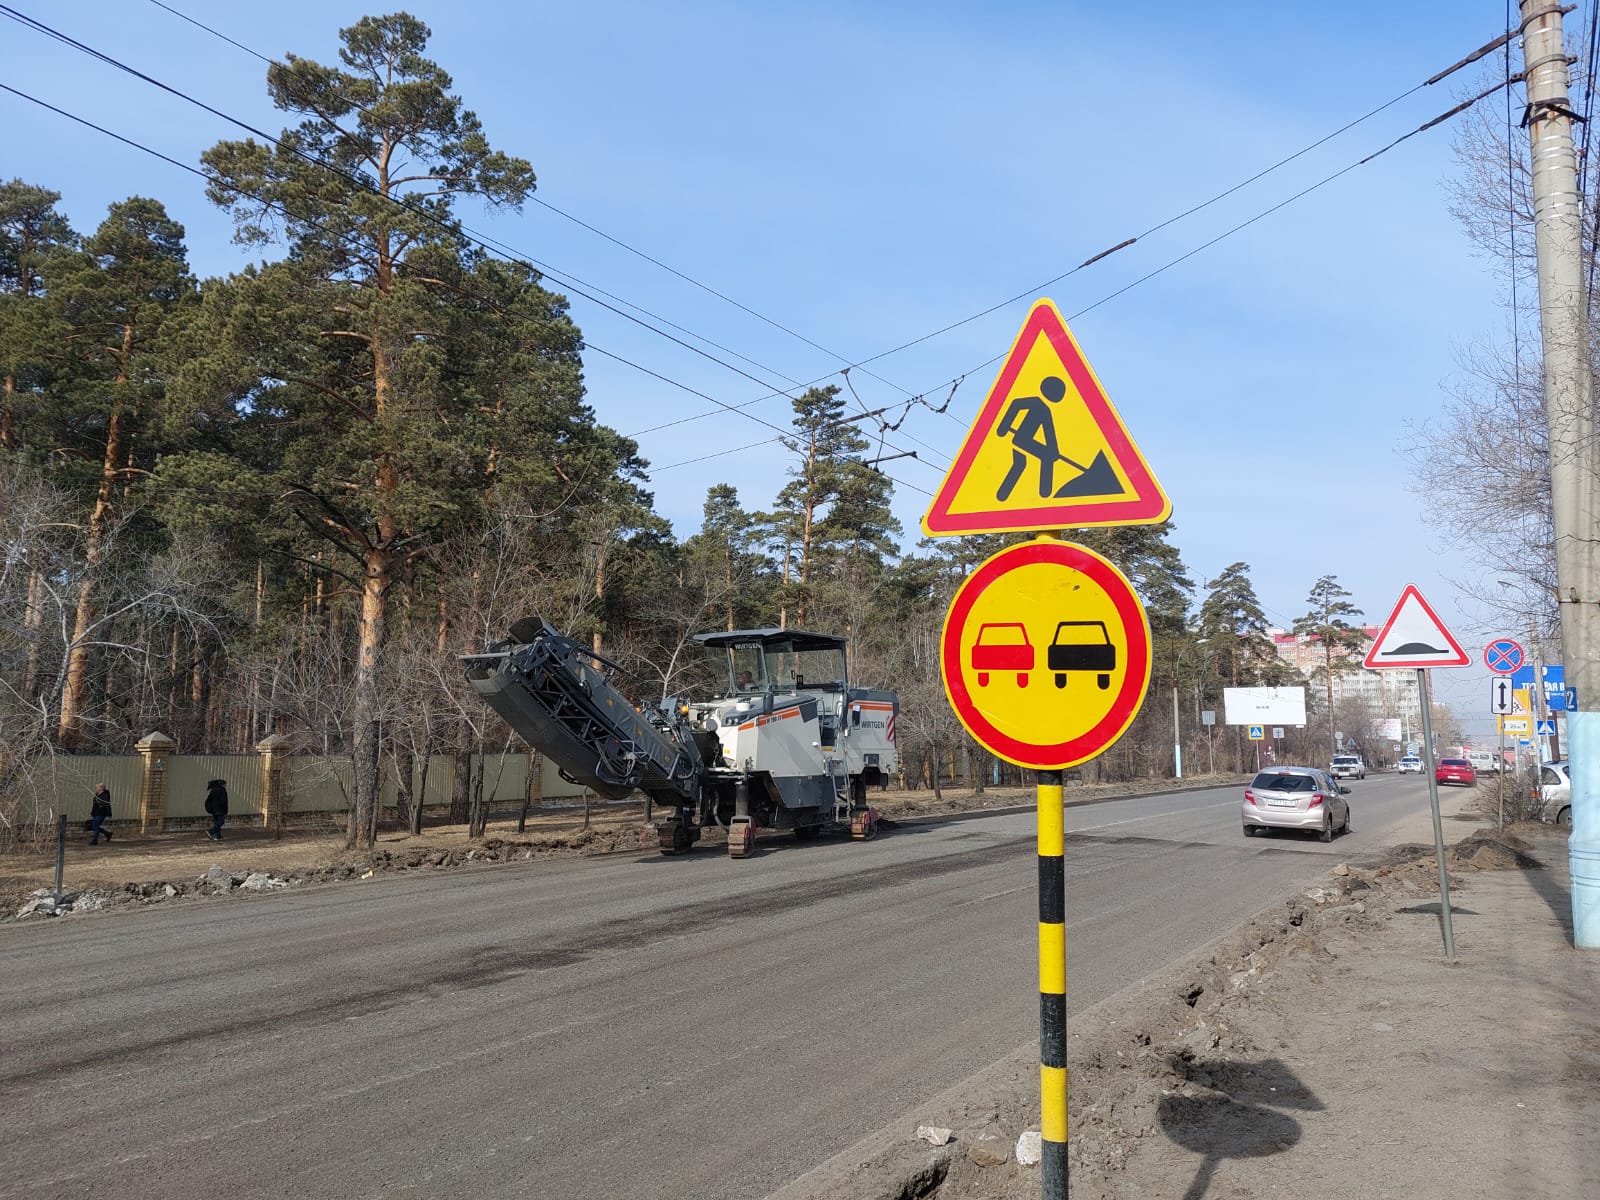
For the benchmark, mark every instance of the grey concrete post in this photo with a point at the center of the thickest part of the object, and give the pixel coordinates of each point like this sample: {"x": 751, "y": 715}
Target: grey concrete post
{"x": 1569, "y": 413}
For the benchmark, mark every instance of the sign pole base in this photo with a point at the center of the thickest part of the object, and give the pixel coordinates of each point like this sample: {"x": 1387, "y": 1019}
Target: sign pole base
{"x": 1052, "y": 990}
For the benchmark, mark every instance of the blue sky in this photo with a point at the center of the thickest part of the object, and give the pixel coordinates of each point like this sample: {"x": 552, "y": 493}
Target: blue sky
{"x": 864, "y": 173}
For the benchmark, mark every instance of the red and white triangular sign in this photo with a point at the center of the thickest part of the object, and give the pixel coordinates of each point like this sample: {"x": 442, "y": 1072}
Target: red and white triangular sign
{"x": 1414, "y": 636}
{"x": 1047, "y": 449}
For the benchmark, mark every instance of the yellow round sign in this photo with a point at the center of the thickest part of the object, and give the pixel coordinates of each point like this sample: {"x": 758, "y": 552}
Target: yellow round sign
{"x": 1046, "y": 654}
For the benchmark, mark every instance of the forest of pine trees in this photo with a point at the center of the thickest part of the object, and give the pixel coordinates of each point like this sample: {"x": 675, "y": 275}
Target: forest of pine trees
{"x": 286, "y": 500}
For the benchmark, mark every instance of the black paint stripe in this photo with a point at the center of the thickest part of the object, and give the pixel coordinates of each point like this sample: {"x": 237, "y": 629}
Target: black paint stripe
{"x": 1052, "y": 890}
{"x": 1052, "y": 1030}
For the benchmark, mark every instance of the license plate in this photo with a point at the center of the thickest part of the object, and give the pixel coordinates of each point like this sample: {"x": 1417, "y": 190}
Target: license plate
{"x": 1280, "y": 803}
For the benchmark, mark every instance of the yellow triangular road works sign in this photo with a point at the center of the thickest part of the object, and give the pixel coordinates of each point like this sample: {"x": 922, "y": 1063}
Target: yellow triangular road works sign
{"x": 1047, "y": 449}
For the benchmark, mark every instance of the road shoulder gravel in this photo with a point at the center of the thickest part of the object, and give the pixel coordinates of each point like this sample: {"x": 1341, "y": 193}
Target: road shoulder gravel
{"x": 1324, "y": 1048}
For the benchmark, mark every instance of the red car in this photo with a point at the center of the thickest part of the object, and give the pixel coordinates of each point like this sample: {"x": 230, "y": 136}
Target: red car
{"x": 1002, "y": 646}
{"x": 1455, "y": 770}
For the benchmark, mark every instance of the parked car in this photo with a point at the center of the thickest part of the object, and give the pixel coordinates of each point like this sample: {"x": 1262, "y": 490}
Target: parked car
{"x": 1455, "y": 770}
{"x": 1409, "y": 765}
{"x": 1295, "y": 798}
{"x": 1555, "y": 793}
{"x": 1349, "y": 766}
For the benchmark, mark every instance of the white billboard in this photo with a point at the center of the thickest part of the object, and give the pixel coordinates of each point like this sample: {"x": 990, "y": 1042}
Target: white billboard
{"x": 1389, "y": 727}
{"x": 1264, "y": 706}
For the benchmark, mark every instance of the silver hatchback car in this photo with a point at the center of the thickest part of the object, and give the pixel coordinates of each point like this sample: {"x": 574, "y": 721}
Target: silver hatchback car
{"x": 1295, "y": 798}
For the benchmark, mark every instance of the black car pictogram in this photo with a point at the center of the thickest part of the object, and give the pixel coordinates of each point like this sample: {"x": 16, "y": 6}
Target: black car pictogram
{"x": 1082, "y": 646}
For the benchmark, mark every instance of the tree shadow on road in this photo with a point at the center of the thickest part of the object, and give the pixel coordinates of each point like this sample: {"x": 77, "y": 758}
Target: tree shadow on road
{"x": 1239, "y": 1118}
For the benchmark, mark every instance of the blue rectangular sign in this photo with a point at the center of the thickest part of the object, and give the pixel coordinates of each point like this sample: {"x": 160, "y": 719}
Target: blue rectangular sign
{"x": 1555, "y": 684}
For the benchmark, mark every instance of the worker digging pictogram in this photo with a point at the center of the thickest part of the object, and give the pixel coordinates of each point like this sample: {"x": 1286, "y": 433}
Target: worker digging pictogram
{"x": 1030, "y": 425}
{"x": 1061, "y": 612}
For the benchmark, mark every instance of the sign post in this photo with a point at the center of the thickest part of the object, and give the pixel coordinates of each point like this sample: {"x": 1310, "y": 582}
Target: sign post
{"x": 1415, "y": 637}
{"x": 1047, "y": 450}
{"x": 1501, "y": 691}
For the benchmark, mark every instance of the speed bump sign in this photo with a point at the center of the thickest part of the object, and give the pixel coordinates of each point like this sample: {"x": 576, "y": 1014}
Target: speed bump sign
{"x": 1046, "y": 654}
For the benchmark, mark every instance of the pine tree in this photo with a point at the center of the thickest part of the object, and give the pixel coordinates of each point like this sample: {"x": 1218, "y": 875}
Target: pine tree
{"x": 341, "y": 353}
{"x": 32, "y": 236}
{"x": 112, "y": 300}
{"x": 834, "y": 510}
{"x": 1328, "y": 622}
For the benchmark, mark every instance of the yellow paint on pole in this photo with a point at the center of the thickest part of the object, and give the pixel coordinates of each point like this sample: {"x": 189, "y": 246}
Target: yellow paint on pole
{"x": 1052, "y": 957}
{"x": 1053, "y": 1111}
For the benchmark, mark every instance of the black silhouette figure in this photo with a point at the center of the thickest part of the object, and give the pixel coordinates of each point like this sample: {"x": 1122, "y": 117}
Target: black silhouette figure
{"x": 1030, "y": 425}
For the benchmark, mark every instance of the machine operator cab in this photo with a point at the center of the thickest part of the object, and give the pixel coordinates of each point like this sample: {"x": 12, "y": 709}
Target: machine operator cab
{"x": 788, "y": 695}
{"x": 780, "y": 661}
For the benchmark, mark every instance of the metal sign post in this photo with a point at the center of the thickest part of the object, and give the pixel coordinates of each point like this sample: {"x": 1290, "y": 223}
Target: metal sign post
{"x": 1438, "y": 826}
{"x": 1052, "y": 611}
{"x": 1052, "y": 990}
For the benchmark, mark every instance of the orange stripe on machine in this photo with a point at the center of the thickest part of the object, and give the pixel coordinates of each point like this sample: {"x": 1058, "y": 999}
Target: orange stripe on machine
{"x": 782, "y": 715}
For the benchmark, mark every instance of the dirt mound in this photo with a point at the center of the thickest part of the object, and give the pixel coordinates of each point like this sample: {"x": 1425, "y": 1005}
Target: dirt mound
{"x": 1486, "y": 850}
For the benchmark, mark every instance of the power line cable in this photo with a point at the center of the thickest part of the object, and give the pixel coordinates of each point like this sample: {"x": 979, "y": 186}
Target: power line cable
{"x": 654, "y": 261}
{"x": 1267, "y": 212}
{"x": 484, "y": 241}
{"x": 1034, "y": 291}
{"x": 587, "y": 344}
{"x": 488, "y": 243}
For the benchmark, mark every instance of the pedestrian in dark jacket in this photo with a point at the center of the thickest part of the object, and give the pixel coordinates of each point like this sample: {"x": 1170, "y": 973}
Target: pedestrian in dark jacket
{"x": 217, "y": 806}
{"x": 99, "y": 814}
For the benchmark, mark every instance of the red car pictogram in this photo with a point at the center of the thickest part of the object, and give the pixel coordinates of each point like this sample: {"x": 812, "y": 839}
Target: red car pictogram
{"x": 1002, "y": 646}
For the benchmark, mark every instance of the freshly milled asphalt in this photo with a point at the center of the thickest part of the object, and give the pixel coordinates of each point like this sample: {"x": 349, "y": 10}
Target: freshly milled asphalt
{"x": 628, "y": 1028}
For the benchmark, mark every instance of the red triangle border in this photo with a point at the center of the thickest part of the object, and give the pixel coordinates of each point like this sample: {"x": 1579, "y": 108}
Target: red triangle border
{"x": 1149, "y": 504}
{"x": 1461, "y": 658}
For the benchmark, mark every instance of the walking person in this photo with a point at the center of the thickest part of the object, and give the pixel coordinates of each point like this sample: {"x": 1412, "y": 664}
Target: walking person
{"x": 99, "y": 814}
{"x": 217, "y": 806}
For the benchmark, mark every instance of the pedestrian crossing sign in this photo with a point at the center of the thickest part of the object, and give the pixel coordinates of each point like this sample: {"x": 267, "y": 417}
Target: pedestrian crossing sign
{"x": 1047, "y": 449}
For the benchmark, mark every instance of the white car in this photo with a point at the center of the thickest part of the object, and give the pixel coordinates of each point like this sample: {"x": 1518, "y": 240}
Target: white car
{"x": 1555, "y": 793}
{"x": 1295, "y": 798}
{"x": 1482, "y": 761}
{"x": 1409, "y": 765}
{"x": 1348, "y": 766}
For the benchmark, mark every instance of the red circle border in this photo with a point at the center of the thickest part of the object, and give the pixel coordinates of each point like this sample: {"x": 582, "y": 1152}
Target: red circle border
{"x": 1124, "y": 706}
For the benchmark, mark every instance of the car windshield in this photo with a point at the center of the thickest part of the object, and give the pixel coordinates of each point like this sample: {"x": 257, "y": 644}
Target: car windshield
{"x": 1346, "y": 761}
{"x": 1283, "y": 781}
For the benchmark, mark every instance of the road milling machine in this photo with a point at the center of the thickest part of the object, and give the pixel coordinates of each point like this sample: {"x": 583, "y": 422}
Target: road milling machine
{"x": 785, "y": 743}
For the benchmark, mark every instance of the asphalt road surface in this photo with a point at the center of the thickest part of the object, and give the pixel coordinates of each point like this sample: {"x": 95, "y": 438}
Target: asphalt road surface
{"x": 623, "y": 1028}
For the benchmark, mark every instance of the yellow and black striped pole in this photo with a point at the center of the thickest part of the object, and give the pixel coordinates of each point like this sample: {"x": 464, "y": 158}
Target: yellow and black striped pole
{"x": 1052, "y": 990}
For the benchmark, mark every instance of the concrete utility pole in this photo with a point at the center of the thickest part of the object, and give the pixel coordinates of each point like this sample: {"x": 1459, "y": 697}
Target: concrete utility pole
{"x": 1569, "y": 412}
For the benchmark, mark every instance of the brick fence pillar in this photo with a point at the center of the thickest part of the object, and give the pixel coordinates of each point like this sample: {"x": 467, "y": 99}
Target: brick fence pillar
{"x": 272, "y": 749}
{"x": 154, "y": 750}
